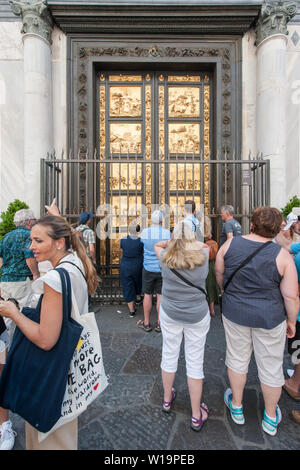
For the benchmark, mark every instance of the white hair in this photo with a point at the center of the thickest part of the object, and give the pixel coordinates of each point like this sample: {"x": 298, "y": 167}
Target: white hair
{"x": 22, "y": 216}
{"x": 157, "y": 217}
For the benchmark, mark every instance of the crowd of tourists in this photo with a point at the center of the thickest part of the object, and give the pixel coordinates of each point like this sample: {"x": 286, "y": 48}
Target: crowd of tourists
{"x": 253, "y": 277}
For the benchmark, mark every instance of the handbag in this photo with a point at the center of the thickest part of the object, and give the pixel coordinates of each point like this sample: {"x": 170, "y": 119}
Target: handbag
{"x": 33, "y": 381}
{"x": 246, "y": 261}
{"x": 86, "y": 377}
{"x": 189, "y": 283}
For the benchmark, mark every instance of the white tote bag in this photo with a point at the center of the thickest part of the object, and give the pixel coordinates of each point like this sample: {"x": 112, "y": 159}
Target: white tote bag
{"x": 87, "y": 378}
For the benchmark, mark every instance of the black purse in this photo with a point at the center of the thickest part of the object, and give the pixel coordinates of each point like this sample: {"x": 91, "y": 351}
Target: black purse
{"x": 246, "y": 261}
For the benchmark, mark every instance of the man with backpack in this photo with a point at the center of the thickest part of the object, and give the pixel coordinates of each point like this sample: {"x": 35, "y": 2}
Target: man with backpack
{"x": 86, "y": 234}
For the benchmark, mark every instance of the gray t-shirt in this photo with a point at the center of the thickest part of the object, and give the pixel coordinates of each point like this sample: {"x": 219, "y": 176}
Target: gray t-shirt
{"x": 180, "y": 301}
{"x": 231, "y": 226}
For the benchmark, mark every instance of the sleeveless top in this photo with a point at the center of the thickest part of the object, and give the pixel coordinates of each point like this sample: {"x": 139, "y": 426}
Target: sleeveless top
{"x": 253, "y": 297}
{"x": 180, "y": 301}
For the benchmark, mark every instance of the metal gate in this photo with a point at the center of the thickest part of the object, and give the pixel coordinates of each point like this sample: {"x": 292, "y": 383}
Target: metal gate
{"x": 124, "y": 188}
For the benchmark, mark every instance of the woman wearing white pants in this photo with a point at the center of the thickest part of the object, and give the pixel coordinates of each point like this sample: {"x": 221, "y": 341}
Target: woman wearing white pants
{"x": 184, "y": 312}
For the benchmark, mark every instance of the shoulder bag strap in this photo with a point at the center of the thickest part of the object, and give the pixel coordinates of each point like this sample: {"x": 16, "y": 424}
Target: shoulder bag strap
{"x": 246, "y": 261}
{"x": 70, "y": 262}
{"x": 66, "y": 293}
{"x": 189, "y": 283}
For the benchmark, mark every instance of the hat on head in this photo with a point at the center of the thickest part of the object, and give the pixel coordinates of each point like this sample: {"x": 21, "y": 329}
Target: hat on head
{"x": 290, "y": 220}
{"x": 85, "y": 216}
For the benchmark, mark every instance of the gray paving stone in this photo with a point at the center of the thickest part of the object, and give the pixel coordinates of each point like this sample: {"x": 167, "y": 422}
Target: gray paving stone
{"x": 126, "y": 343}
{"x": 128, "y": 416}
{"x": 113, "y": 361}
{"x": 124, "y": 391}
{"x": 146, "y": 361}
{"x": 139, "y": 427}
{"x": 213, "y": 435}
{"x": 92, "y": 437}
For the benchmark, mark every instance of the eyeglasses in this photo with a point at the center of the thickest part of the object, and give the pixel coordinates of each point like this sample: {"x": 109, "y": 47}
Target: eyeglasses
{"x": 11, "y": 299}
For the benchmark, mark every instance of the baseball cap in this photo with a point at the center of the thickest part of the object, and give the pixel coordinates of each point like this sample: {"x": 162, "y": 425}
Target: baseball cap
{"x": 290, "y": 220}
{"x": 85, "y": 216}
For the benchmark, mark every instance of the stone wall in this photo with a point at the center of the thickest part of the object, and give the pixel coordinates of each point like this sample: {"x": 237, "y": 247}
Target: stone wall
{"x": 293, "y": 112}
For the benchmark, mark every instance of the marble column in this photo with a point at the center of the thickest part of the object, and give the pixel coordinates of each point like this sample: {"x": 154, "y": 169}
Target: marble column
{"x": 271, "y": 41}
{"x": 38, "y": 119}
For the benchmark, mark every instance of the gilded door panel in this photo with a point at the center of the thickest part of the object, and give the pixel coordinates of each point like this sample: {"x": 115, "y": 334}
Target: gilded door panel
{"x": 155, "y": 128}
{"x": 125, "y": 137}
{"x": 184, "y": 138}
{"x": 184, "y": 102}
{"x": 125, "y": 101}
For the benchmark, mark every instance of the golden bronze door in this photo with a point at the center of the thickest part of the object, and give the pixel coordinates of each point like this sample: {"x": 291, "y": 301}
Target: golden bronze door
{"x": 154, "y": 127}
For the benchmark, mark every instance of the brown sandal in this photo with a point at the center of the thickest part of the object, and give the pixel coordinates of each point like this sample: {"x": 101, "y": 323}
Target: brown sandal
{"x": 141, "y": 324}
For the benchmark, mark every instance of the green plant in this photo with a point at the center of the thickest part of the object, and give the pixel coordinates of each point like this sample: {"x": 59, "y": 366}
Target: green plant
{"x": 7, "y": 224}
{"x": 294, "y": 202}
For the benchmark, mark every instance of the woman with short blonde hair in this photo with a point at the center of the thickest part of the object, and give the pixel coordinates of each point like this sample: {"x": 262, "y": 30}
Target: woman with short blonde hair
{"x": 184, "y": 311}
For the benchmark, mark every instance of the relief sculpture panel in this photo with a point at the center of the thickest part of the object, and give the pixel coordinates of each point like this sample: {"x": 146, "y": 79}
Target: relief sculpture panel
{"x": 125, "y": 137}
{"x": 125, "y": 101}
{"x": 184, "y": 138}
{"x": 184, "y": 102}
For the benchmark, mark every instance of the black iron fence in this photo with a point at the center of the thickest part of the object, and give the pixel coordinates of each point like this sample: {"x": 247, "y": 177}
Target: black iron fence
{"x": 121, "y": 189}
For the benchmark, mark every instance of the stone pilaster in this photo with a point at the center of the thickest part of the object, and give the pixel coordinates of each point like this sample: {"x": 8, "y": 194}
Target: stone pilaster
{"x": 271, "y": 41}
{"x": 38, "y": 121}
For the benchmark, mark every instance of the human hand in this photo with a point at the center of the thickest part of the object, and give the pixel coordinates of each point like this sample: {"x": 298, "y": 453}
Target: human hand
{"x": 290, "y": 329}
{"x": 8, "y": 309}
{"x": 52, "y": 209}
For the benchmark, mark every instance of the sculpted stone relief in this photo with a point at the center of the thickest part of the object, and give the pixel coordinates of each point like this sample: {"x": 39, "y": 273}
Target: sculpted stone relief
{"x": 273, "y": 18}
{"x": 36, "y": 17}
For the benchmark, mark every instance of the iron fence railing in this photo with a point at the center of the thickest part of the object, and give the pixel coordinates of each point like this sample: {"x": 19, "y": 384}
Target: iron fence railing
{"x": 93, "y": 184}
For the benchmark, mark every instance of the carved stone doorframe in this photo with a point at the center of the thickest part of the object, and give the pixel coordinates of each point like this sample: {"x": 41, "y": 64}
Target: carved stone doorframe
{"x": 222, "y": 56}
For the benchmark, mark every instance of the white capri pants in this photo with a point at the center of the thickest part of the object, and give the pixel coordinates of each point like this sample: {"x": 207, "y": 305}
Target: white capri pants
{"x": 194, "y": 343}
{"x": 268, "y": 347}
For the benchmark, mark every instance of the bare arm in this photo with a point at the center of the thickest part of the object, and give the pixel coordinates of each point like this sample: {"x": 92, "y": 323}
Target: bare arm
{"x": 289, "y": 289}
{"x": 92, "y": 252}
{"x": 283, "y": 242}
{"x": 1, "y": 262}
{"x": 229, "y": 235}
{"x": 33, "y": 266}
{"x": 220, "y": 264}
{"x": 46, "y": 333}
{"x": 160, "y": 246}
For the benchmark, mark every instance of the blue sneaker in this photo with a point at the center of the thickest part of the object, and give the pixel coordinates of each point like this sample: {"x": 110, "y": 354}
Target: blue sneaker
{"x": 237, "y": 414}
{"x": 269, "y": 425}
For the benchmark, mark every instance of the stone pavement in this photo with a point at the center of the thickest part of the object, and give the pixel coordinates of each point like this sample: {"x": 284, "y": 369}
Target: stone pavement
{"x": 128, "y": 416}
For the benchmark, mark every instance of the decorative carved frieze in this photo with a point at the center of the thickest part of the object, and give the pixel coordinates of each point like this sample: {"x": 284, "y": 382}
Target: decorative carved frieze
{"x": 36, "y": 17}
{"x": 273, "y": 19}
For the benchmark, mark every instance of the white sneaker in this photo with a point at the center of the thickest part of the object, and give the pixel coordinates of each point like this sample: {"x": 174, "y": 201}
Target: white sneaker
{"x": 7, "y": 436}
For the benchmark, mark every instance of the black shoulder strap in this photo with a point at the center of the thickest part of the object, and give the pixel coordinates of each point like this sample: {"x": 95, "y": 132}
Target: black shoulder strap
{"x": 189, "y": 283}
{"x": 246, "y": 261}
{"x": 70, "y": 262}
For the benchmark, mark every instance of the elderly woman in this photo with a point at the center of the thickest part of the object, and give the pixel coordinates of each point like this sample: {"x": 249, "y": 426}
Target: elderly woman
{"x": 260, "y": 308}
{"x": 184, "y": 311}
